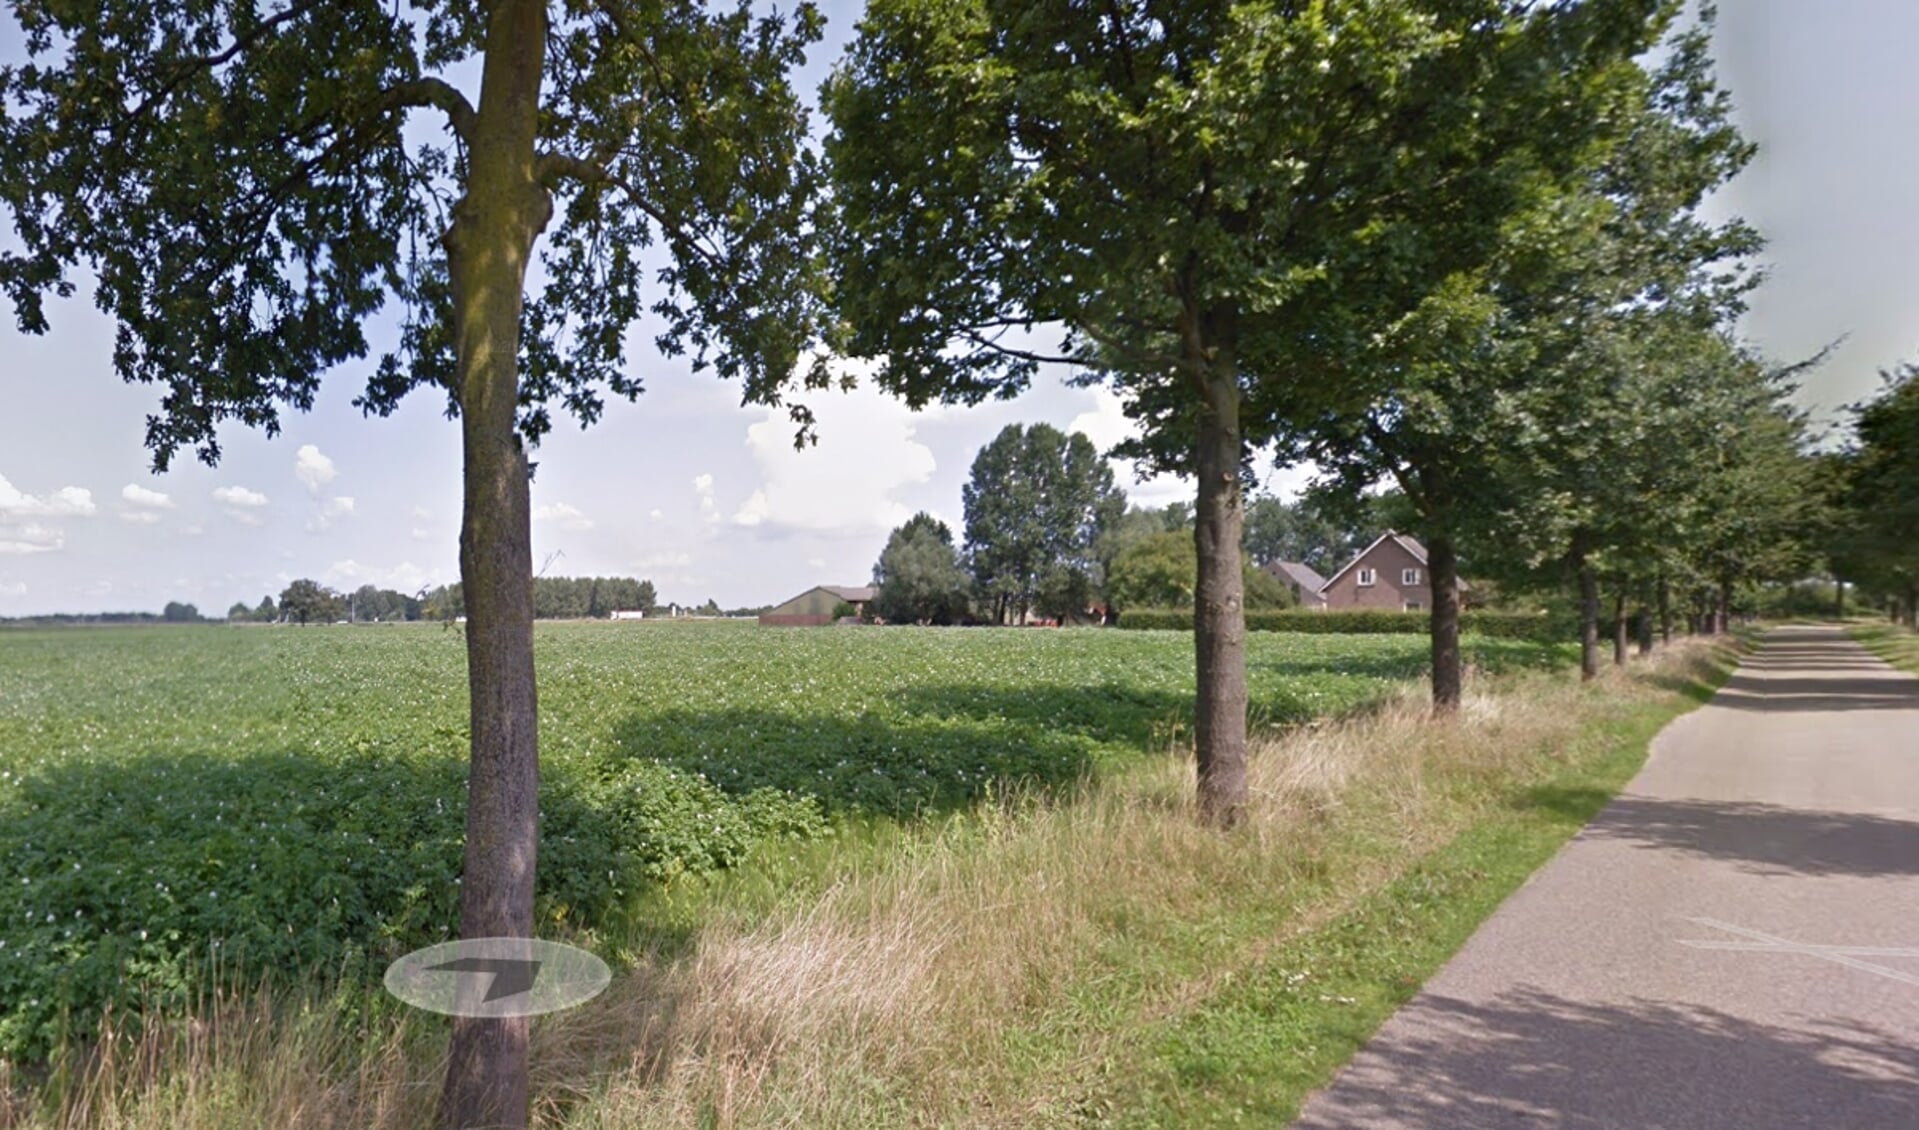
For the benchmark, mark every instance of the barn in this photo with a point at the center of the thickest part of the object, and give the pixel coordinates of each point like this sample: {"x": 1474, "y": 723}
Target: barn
{"x": 815, "y": 606}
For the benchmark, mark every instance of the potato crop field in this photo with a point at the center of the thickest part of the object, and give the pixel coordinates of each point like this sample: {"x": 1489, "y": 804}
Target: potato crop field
{"x": 281, "y": 800}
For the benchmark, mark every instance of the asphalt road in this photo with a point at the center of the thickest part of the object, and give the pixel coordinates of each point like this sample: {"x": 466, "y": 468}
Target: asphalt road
{"x": 1733, "y": 944}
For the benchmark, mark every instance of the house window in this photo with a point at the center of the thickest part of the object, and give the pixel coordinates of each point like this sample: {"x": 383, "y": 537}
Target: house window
{"x": 1368, "y": 577}
{"x": 1409, "y": 576}
{"x": 1414, "y": 606}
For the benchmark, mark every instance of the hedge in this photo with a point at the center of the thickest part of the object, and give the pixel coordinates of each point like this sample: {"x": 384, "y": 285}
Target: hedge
{"x": 1365, "y": 621}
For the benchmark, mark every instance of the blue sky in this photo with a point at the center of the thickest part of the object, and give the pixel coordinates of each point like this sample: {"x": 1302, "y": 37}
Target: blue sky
{"x": 708, "y": 499}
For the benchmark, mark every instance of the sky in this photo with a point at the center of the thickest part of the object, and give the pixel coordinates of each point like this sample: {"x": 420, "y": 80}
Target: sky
{"x": 708, "y": 499}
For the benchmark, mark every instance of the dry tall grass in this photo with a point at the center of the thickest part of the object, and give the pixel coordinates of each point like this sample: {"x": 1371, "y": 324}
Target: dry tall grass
{"x": 976, "y": 978}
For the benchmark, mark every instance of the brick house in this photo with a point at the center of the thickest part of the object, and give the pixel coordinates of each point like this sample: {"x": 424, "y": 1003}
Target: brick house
{"x": 1389, "y": 575}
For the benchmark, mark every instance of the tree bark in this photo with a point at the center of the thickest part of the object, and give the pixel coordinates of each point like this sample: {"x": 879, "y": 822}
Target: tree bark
{"x": 1219, "y": 615}
{"x": 488, "y": 248}
{"x": 1619, "y": 642}
{"x": 1665, "y": 611}
{"x": 1442, "y": 567}
{"x": 1642, "y": 620}
{"x": 1588, "y": 605}
{"x": 1839, "y": 599}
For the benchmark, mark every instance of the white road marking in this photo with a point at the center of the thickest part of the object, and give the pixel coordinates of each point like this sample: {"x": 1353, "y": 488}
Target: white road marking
{"x": 1839, "y": 955}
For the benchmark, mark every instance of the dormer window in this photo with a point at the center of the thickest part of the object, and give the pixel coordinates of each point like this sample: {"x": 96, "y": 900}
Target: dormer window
{"x": 1368, "y": 577}
{"x": 1409, "y": 576}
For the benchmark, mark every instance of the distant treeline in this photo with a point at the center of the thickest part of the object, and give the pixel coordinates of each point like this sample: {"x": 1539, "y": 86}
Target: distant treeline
{"x": 565, "y": 598}
{"x": 554, "y": 598}
{"x": 66, "y": 619}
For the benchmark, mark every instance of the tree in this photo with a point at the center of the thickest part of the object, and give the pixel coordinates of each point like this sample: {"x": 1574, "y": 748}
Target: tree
{"x": 1161, "y": 571}
{"x": 1324, "y": 529}
{"x": 1036, "y": 503}
{"x": 919, "y": 576}
{"x": 1158, "y": 572}
{"x": 241, "y": 182}
{"x": 1878, "y": 489}
{"x": 266, "y": 613}
{"x": 1217, "y": 208}
{"x": 1555, "y": 360}
{"x": 239, "y": 611}
{"x": 178, "y": 613}
{"x": 307, "y": 601}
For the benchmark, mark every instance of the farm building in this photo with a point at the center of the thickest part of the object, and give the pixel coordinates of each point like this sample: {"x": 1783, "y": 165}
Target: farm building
{"x": 1304, "y": 581}
{"x": 815, "y": 606}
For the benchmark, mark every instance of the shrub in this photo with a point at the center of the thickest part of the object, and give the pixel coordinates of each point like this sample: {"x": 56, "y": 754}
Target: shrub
{"x": 1362, "y": 621}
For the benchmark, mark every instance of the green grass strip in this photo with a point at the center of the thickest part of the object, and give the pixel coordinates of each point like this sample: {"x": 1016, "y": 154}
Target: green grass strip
{"x": 1250, "y": 1054}
{"x": 1890, "y": 642}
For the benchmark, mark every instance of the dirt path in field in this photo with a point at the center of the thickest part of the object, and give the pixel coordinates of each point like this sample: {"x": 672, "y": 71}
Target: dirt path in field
{"x": 1733, "y": 944}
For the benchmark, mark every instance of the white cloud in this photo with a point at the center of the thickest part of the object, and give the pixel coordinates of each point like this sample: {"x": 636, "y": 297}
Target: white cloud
{"x": 1105, "y": 423}
{"x": 19, "y": 541}
{"x": 563, "y": 515}
{"x": 703, "y": 491}
{"x": 241, "y": 505}
{"x": 420, "y": 534}
{"x": 313, "y": 468}
{"x": 662, "y": 560}
{"x": 136, "y": 495}
{"x": 847, "y": 483}
{"x": 405, "y": 577}
{"x": 656, "y": 514}
{"x": 142, "y": 506}
{"x": 331, "y": 511}
{"x": 67, "y": 502}
{"x": 18, "y": 588}
{"x": 422, "y": 513}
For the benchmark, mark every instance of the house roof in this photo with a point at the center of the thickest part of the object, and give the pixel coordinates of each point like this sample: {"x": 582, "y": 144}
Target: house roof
{"x": 1408, "y": 543}
{"x": 1298, "y": 573}
{"x": 852, "y": 594}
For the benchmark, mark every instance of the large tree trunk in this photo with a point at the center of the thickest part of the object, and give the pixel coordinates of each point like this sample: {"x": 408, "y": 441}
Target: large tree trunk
{"x": 1442, "y": 567}
{"x": 488, "y": 247}
{"x": 1642, "y": 622}
{"x": 1219, "y": 615}
{"x": 1839, "y": 599}
{"x": 1588, "y": 605}
{"x": 1722, "y": 608}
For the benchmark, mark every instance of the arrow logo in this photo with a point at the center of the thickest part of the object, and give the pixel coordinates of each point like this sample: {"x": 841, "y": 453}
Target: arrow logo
{"x": 511, "y": 976}
{"x": 566, "y": 976}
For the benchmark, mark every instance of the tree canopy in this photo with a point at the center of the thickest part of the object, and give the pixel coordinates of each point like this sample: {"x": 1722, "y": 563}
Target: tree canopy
{"x": 243, "y": 185}
{"x": 919, "y": 576}
{"x": 1219, "y": 208}
{"x": 1036, "y": 503}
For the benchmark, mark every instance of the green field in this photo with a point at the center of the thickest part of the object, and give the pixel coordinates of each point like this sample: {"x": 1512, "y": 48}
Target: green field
{"x": 286, "y": 799}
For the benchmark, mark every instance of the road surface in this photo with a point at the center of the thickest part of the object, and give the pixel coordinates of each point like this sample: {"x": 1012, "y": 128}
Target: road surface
{"x": 1733, "y": 944}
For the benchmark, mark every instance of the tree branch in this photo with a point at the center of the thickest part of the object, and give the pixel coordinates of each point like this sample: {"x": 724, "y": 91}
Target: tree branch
{"x": 188, "y": 67}
{"x": 973, "y": 335}
{"x": 550, "y": 167}
{"x": 438, "y": 94}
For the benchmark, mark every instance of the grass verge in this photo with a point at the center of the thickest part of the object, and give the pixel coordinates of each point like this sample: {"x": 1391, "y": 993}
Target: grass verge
{"x": 1890, "y": 642}
{"x": 1097, "y": 959}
